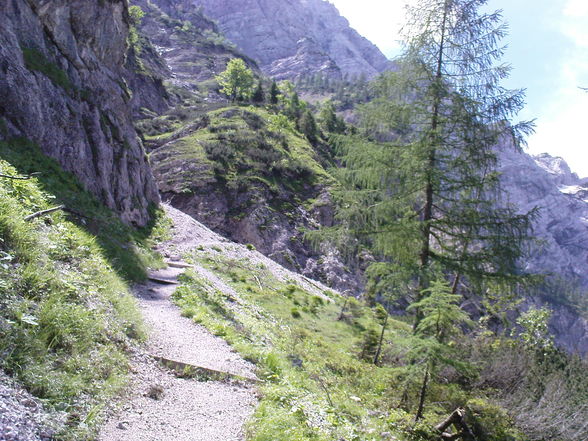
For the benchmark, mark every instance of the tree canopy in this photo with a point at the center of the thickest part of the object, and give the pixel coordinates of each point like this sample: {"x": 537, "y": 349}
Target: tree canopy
{"x": 420, "y": 186}
{"x": 237, "y": 80}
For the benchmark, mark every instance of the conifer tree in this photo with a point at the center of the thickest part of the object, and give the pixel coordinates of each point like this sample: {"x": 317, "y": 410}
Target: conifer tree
{"x": 274, "y": 93}
{"x": 329, "y": 120}
{"x": 308, "y": 127}
{"x": 258, "y": 94}
{"x": 441, "y": 321}
{"x": 423, "y": 190}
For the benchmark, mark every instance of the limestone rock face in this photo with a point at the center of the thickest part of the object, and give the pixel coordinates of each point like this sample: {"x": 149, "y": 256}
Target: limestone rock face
{"x": 188, "y": 43}
{"x": 562, "y": 222}
{"x": 561, "y": 226}
{"x": 61, "y": 70}
{"x": 291, "y": 38}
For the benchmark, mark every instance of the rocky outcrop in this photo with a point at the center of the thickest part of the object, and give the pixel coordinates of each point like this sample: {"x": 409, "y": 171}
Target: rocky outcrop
{"x": 562, "y": 221}
{"x": 292, "y": 38}
{"x": 234, "y": 173}
{"x": 62, "y": 87}
{"x": 561, "y": 227}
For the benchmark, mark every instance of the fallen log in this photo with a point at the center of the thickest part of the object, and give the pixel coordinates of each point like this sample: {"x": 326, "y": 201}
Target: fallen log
{"x": 456, "y": 419}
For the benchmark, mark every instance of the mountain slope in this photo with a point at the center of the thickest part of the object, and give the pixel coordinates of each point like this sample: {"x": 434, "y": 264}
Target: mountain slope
{"x": 291, "y": 38}
{"x": 238, "y": 172}
{"x": 62, "y": 87}
{"x": 561, "y": 228}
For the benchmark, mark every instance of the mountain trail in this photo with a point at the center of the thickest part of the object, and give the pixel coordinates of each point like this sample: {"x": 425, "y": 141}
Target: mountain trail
{"x": 161, "y": 406}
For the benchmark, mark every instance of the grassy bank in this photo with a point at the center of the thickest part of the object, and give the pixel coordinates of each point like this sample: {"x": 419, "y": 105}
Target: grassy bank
{"x": 66, "y": 315}
{"x": 315, "y": 355}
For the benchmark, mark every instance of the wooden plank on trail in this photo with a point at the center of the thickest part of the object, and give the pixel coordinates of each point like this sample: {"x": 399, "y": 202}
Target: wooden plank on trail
{"x": 173, "y": 264}
{"x": 200, "y": 373}
{"x": 163, "y": 281}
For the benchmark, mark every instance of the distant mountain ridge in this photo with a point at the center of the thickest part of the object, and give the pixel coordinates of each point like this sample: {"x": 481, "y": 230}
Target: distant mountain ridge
{"x": 293, "y": 38}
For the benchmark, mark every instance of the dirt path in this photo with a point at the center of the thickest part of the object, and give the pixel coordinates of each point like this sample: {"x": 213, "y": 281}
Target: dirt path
{"x": 160, "y": 406}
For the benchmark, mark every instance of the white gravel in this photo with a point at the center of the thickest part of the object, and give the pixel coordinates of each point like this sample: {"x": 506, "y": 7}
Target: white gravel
{"x": 22, "y": 416}
{"x": 186, "y": 410}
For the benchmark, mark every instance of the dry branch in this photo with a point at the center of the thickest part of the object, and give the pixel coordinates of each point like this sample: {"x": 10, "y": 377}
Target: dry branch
{"x": 43, "y": 212}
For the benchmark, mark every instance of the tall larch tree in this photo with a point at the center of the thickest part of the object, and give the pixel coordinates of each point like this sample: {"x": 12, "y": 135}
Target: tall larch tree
{"x": 423, "y": 190}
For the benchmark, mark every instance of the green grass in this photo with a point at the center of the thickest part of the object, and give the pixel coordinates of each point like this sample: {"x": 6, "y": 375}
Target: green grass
{"x": 319, "y": 382}
{"x": 66, "y": 315}
{"x": 239, "y": 148}
{"x": 128, "y": 250}
{"x": 316, "y": 386}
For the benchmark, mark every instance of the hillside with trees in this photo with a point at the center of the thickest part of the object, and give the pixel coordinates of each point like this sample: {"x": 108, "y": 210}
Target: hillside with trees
{"x": 347, "y": 248}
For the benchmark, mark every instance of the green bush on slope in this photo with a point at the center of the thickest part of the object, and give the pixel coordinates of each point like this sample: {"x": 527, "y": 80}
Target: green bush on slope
{"x": 66, "y": 314}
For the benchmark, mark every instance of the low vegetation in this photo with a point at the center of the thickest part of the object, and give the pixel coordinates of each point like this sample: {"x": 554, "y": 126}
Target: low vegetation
{"x": 239, "y": 148}
{"x": 66, "y": 315}
{"x": 35, "y": 60}
{"x": 315, "y": 355}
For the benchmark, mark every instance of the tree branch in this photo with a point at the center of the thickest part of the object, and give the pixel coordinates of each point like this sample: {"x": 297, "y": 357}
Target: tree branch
{"x": 20, "y": 178}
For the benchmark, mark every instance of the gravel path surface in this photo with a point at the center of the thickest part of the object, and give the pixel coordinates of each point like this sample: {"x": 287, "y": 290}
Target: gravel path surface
{"x": 160, "y": 406}
{"x": 179, "y": 338}
{"x": 22, "y": 416}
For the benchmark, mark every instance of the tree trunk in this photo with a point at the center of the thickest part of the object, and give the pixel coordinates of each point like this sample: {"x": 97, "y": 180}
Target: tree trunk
{"x": 422, "y": 396}
{"x": 425, "y": 253}
{"x": 342, "y": 313}
{"x": 381, "y": 341}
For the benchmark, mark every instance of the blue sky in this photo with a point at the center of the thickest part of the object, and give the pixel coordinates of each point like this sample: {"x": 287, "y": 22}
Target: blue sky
{"x": 548, "y": 50}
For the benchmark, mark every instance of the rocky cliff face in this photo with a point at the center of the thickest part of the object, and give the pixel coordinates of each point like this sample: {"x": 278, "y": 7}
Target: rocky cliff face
{"x": 292, "y": 38}
{"x": 547, "y": 183}
{"x": 62, "y": 87}
{"x": 562, "y": 224}
{"x": 190, "y": 45}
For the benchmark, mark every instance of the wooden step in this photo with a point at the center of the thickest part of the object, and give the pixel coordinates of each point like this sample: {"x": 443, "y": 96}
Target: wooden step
{"x": 186, "y": 370}
{"x": 173, "y": 264}
{"x": 163, "y": 281}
